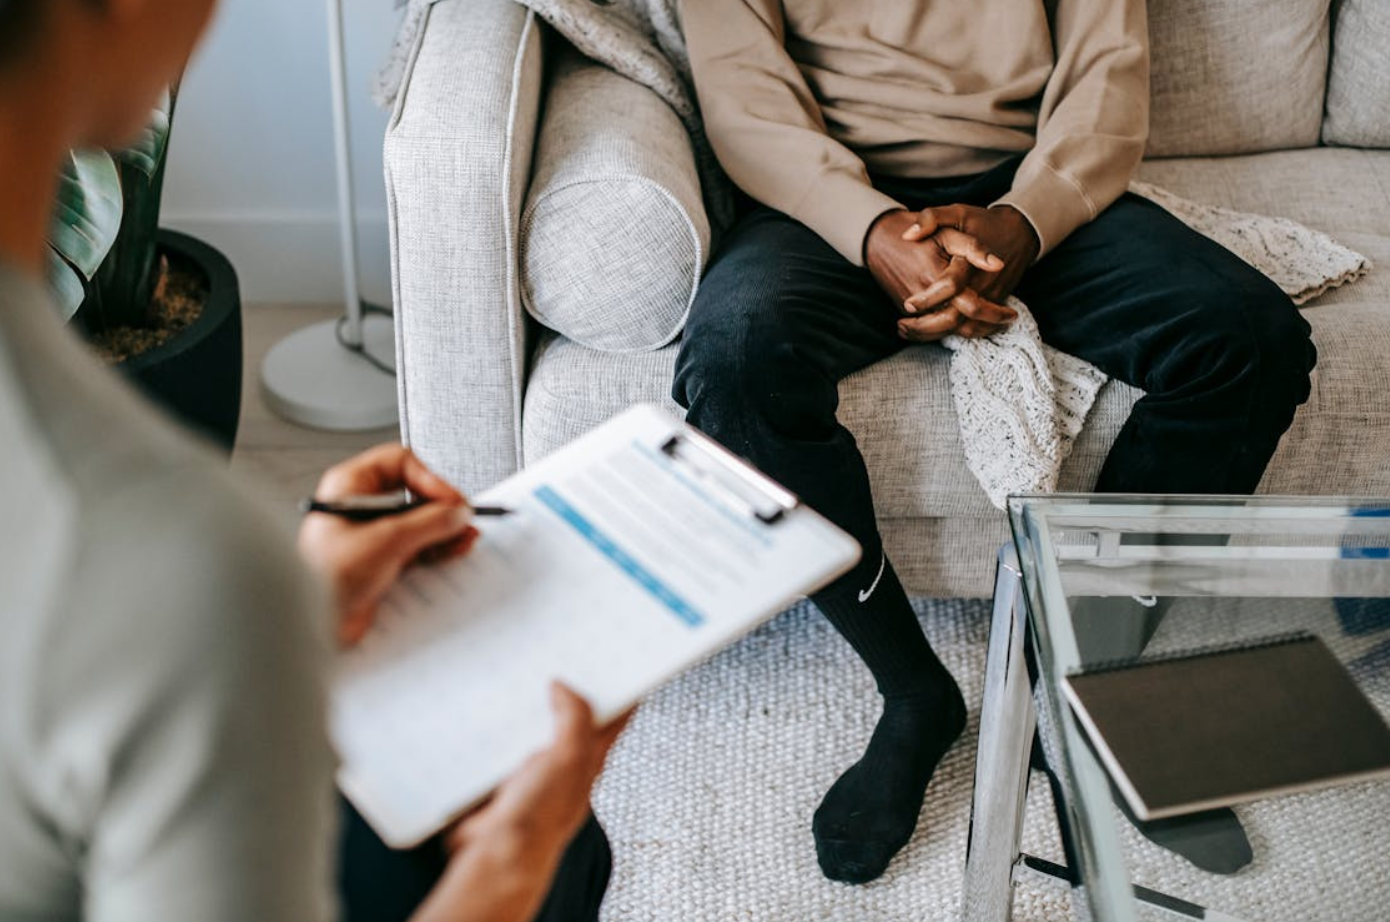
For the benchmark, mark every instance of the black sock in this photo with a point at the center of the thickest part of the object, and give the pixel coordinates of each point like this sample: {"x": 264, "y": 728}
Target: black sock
{"x": 871, "y": 811}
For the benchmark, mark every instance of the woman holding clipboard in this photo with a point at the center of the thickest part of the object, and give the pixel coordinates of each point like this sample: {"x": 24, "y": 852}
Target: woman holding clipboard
{"x": 163, "y": 752}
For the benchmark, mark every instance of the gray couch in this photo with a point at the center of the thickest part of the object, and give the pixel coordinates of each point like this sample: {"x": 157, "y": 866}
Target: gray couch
{"x": 502, "y": 207}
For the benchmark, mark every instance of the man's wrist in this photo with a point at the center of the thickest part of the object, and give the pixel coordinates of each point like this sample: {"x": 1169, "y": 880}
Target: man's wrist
{"x": 884, "y": 228}
{"x": 1023, "y": 227}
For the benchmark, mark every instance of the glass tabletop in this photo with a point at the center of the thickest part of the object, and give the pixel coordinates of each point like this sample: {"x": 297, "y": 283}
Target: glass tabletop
{"x": 1114, "y": 577}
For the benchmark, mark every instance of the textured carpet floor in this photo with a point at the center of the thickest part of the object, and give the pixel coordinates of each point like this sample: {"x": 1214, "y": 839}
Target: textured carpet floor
{"x": 709, "y": 795}
{"x": 708, "y": 799}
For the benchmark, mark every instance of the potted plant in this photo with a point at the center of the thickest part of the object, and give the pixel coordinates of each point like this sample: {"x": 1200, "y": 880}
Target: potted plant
{"x": 161, "y": 306}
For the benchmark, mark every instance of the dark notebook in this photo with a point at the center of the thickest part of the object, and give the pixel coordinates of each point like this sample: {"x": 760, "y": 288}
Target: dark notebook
{"x": 1195, "y": 731}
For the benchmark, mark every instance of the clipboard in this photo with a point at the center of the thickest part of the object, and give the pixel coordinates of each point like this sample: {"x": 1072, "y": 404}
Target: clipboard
{"x": 632, "y": 554}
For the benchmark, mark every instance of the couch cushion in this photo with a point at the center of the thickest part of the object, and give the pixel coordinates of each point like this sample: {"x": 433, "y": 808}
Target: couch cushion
{"x": 1338, "y": 444}
{"x": 614, "y": 234}
{"x": 1358, "y": 84}
{"x": 1236, "y": 76}
{"x": 912, "y": 446}
{"x": 1343, "y": 193}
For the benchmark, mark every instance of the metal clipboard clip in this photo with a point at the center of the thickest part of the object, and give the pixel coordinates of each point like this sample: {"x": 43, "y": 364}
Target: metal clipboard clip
{"x": 729, "y": 476}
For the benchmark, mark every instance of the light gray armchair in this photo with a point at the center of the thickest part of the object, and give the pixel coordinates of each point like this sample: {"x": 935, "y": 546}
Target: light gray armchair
{"x": 485, "y": 388}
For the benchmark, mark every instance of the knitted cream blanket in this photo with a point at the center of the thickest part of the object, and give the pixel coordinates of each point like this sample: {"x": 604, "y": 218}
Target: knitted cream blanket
{"x": 1020, "y": 403}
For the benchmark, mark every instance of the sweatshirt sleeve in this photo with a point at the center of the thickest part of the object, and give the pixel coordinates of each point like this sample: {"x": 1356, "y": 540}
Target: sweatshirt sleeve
{"x": 1093, "y": 121}
{"x": 190, "y": 753}
{"x": 767, "y": 128}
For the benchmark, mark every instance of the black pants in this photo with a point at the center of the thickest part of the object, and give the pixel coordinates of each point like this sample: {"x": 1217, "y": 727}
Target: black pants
{"x": 377, "y": 884}
{"x": 781, "y": 318}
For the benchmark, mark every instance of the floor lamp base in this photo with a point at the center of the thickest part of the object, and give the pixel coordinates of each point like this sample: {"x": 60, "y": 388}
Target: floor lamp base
{"x": 311, "y": 379}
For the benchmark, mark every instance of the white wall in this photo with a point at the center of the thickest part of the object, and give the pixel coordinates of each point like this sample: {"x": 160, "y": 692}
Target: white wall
{"x": 251, "y": 168}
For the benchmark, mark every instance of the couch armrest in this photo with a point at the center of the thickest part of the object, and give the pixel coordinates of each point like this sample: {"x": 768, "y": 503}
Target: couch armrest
{"x": 458, "y": 157}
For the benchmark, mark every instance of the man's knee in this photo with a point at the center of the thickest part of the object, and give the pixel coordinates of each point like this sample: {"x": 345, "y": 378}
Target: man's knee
{"x": 719, "y": 347}
{"x": 1288, "y": 351}
{"x": 756, "y": 356}
{"x": 1282, "y": 345}
{"x": 739, "y": 356}
{"x": 750, "y": 369}
{"x": 1249, "y": 339}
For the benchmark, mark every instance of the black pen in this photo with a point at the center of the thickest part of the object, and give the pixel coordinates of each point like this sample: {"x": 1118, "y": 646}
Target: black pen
{"x": 372, "y": 507}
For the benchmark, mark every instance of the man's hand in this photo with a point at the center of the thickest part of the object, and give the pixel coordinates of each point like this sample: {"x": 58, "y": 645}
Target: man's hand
{"x": 910, "y": 256}
{"x": 504, "y": 855}
{"x": 1001, "y": 230}
{"x": 361, "y": 560}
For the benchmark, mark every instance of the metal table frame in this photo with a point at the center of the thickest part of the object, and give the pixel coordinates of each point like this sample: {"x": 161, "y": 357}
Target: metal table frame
{"x": 1008, "y": 742}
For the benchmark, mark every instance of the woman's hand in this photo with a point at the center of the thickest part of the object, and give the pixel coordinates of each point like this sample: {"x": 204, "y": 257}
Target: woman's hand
{"x": 361, "y": 560}
{"x": 504, "y": 855}
{"x": 538, "y": 810}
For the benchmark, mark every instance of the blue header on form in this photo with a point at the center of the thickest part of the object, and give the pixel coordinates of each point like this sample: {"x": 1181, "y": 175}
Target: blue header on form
{"x": 624, "y": 561}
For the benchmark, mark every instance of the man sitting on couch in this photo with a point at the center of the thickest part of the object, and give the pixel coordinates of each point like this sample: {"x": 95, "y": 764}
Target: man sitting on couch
{"x": 909, "y": 166}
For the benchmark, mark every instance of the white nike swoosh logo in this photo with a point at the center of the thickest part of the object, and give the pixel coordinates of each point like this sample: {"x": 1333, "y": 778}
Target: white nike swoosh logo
{"x": 1148, "y": 601}
{"x": 882, "y": 565}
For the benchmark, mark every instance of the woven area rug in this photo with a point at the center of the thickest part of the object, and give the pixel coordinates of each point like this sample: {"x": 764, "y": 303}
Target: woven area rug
{"x": 709, "y": 795}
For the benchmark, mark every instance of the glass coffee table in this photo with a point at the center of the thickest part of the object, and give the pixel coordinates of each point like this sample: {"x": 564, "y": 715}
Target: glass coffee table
{"x": 1095, "y": 578}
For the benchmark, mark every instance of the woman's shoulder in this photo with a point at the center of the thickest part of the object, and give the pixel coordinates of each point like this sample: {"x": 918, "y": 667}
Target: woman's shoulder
{"x": 157, "y": 532}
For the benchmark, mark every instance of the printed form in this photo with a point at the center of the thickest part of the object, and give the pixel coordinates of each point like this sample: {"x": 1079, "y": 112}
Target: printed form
{"x": 625, "y": 562}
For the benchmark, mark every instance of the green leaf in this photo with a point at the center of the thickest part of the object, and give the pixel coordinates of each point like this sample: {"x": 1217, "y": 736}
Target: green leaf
{"x": 66, "y": 284}
{"x": 147, "y": 153}
{"x": 88, "y": 215}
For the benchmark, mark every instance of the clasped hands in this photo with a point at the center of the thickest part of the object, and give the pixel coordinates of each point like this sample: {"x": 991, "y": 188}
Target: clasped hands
{"x": 951, "y": 268}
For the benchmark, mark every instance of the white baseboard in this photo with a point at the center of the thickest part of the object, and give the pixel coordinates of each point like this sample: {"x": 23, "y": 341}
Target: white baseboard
{"x": 294, "y": 257}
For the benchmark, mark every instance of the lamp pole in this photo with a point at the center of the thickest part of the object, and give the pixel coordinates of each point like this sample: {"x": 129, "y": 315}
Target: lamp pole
{"x": 338, "y": 374}
{"x": 347, "y": 199}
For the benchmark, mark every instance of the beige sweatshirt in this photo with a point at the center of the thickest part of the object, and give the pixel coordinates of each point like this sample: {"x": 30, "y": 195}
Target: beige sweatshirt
{"x": 803, "y": 98}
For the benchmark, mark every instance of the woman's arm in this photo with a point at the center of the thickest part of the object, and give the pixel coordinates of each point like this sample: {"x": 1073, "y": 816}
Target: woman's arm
{"x": 504, "y": 855}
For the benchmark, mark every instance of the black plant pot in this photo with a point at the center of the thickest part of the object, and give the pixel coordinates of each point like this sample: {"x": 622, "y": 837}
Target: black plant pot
{"x": 196, "y": 376}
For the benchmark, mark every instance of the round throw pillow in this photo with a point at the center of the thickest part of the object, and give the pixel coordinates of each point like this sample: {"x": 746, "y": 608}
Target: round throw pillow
{"x": 614, "y": 233}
